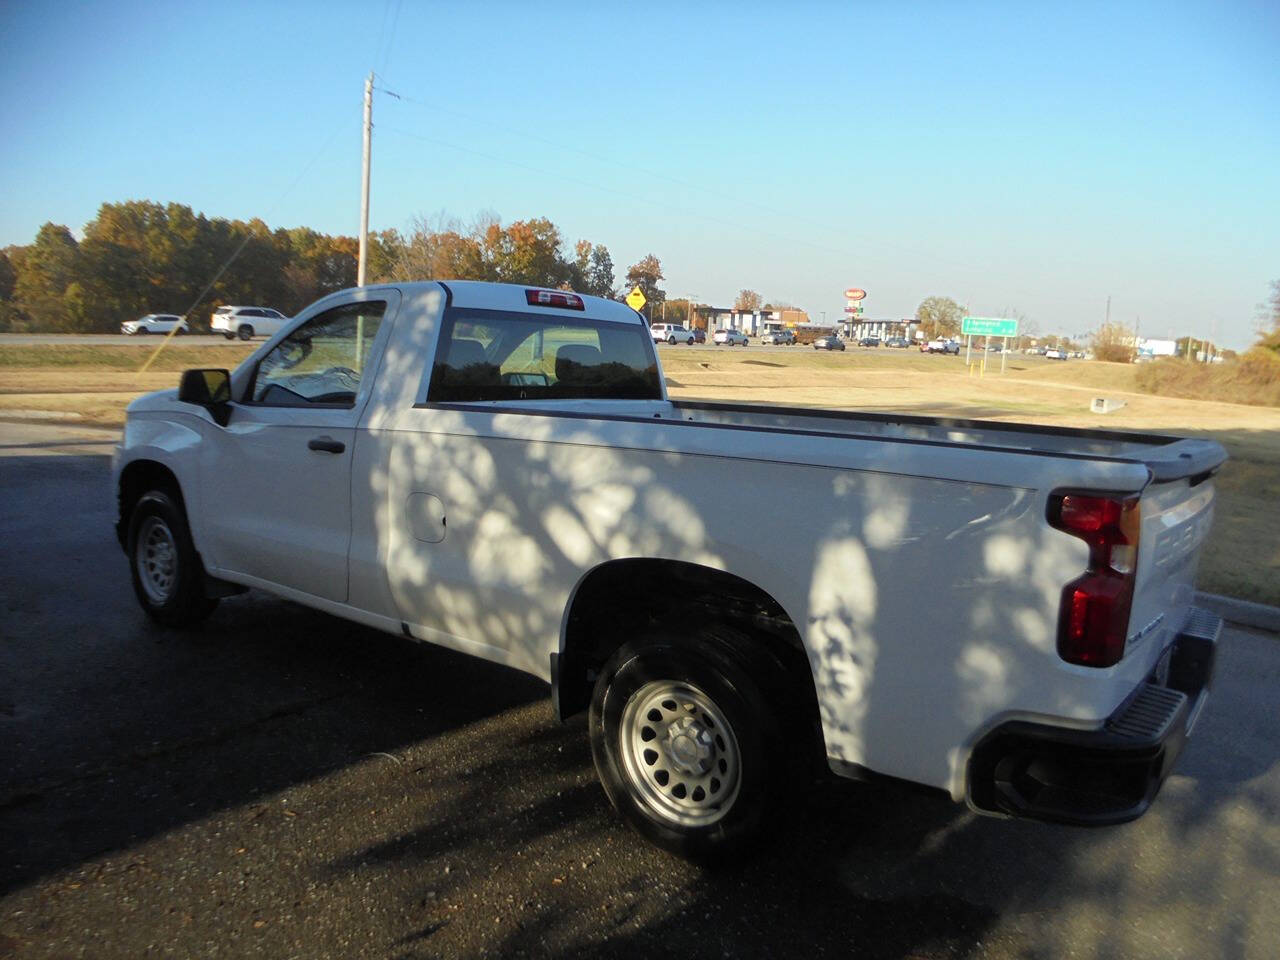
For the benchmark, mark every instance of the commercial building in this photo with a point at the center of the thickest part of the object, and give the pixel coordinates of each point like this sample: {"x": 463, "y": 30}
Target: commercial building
{"x": 884, "y": 329}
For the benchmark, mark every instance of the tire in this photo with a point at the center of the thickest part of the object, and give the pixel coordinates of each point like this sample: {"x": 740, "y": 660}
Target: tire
{"x": 716, "y": 766}
{"x": 229, "y": 335}
{"x": 141, "y": 332}
{"x": 168, "y": 578}
{"x": 179, "y": 332}
{"x": 671, "y": 340}
{"x": 245, "y": 332}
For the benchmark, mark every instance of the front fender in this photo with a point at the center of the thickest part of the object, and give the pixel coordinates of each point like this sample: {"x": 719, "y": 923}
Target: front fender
{"x": 171, "y": 442}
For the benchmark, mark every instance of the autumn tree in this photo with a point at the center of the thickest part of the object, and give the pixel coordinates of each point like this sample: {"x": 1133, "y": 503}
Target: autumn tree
{"x": 747, "y": 301}
{"x": 143, "y": 257}
{"x": 48, "y": 268}
{"x": 593, "y": 270}
{"x": 939, "y": 317}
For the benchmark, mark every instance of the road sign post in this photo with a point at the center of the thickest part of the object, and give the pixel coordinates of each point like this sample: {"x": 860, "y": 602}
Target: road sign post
{"x": 989, "y": 327}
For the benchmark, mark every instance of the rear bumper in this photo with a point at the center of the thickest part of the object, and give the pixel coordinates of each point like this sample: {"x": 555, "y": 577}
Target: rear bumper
{"x": 1109, "y": 775}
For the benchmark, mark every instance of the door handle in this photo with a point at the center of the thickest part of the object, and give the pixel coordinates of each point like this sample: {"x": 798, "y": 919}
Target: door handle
{"x": 326, "y": 445}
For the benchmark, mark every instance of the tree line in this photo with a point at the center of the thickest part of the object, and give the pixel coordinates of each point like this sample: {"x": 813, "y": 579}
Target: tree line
{"x": 140, "y": 257}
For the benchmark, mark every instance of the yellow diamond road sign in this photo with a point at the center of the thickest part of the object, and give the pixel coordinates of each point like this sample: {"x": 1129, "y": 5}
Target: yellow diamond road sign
{"x": 635, "y": 299}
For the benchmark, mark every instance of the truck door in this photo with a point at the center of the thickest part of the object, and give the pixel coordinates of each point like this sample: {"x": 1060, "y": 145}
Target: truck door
{"x": 277, "y": 477}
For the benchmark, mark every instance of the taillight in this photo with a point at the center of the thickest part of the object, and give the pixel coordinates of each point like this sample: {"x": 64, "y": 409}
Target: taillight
{"x": 1094, "y": 617}
{"x": 554, "y": 298}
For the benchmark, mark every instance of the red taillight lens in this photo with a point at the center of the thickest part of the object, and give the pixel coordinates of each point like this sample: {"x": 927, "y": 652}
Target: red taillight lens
{"x": 1094, "y": 618}
{"x": 554, "y": 298}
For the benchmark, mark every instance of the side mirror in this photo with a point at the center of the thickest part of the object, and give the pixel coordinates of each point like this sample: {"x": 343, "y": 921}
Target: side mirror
{"x": 210, "y": 389}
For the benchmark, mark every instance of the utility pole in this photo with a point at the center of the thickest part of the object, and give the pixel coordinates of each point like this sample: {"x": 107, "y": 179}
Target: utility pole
{"x": 364, "y": 184}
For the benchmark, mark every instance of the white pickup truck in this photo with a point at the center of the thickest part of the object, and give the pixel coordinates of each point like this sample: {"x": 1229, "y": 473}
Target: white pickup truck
{"x": 999, "y": 611}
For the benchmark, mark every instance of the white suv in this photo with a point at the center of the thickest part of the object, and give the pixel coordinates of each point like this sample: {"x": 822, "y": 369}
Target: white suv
{"x": 247, "y": 322}
{"x": 154, "y": 323}
{"x": 671, "y": 333}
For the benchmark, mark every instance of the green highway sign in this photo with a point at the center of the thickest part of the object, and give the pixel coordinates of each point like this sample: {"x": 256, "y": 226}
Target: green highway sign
{"x": 988, "y": 327}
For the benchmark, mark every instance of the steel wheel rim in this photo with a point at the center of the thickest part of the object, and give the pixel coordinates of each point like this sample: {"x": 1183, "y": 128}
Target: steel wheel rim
{"x": 156, "y": 559}
{"x": 680, "y": 753}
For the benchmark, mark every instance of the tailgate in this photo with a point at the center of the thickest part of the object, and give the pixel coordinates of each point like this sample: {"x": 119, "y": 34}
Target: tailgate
{"x": 1176, "y": 517}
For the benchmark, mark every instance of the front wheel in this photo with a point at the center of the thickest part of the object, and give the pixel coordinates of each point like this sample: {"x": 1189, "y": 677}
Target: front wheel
{"x": 245, "y": 332}
{"x": 167, "y": 575}
{"x": 686, "y": 744}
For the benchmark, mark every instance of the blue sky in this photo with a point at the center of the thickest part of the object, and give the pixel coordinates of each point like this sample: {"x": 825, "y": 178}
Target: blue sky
{"x": 1012, "y": 156}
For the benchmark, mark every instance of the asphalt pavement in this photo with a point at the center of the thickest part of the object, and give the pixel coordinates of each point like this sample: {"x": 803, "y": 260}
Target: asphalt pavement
{"x": 280, "y": 783}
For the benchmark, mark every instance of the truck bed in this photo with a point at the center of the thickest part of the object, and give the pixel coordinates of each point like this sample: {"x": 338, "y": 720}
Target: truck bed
{"x": 1168, "y": 458}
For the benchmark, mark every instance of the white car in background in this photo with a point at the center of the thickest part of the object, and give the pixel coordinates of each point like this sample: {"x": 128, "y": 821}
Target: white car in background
{"x": 671, "y": 333}
{"x": 731, "y": 337}
{"x": 154, "y": 323}
{"x": 1056, "y": 354}
{"x": 247, "y": 322}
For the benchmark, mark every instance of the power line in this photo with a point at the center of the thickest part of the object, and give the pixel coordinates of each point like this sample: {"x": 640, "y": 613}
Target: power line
{"x": 249, "y": 235}
{"x": 391, "y": 38}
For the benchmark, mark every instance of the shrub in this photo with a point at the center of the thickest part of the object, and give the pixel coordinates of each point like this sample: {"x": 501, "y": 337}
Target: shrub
{"x": 1113, "y": 342}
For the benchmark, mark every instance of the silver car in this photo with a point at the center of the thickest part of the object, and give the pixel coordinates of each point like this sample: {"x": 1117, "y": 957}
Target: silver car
{"x": 731, "y": 337}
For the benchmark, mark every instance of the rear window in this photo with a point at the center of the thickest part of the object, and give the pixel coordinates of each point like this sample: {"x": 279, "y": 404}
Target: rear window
{"x": 497, "y": 355}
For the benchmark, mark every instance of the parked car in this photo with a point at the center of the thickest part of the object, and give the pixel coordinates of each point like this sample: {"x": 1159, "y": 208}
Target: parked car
{"x": 247, "y": 322}
{"x": 829, "y": 342}
{"x": 731, "y": 338}
{"x": 1055, "y": 354}
{"x": 671, "y": 333}
{"x": 898, "y": 343}
{"x": 455, "y": 463}
{"x": 783, "y": 337}
{"x": 155, "y": 323}
{"x": 699, "y": 335}
{"x": 941, "y": 346}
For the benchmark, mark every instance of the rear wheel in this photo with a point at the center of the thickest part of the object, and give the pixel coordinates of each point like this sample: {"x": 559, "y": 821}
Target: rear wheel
{"x": 687, "y": 743}
{"x": 245, "y": 332}
{"x": 168, "y": 578}
{"x": 672, "y": 340}
{"x": 229, "y": 335}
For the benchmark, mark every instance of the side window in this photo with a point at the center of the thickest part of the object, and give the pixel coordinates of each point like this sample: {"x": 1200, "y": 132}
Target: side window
{"x": 322, "y": 361}
{"x": 491, "y": 355}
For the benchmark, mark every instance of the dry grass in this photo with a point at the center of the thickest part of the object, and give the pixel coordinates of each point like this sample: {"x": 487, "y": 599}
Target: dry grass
{"x": 174, "y": 357}
{"x": 93, "y": 384}
{"x": 1253, "y": 378}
